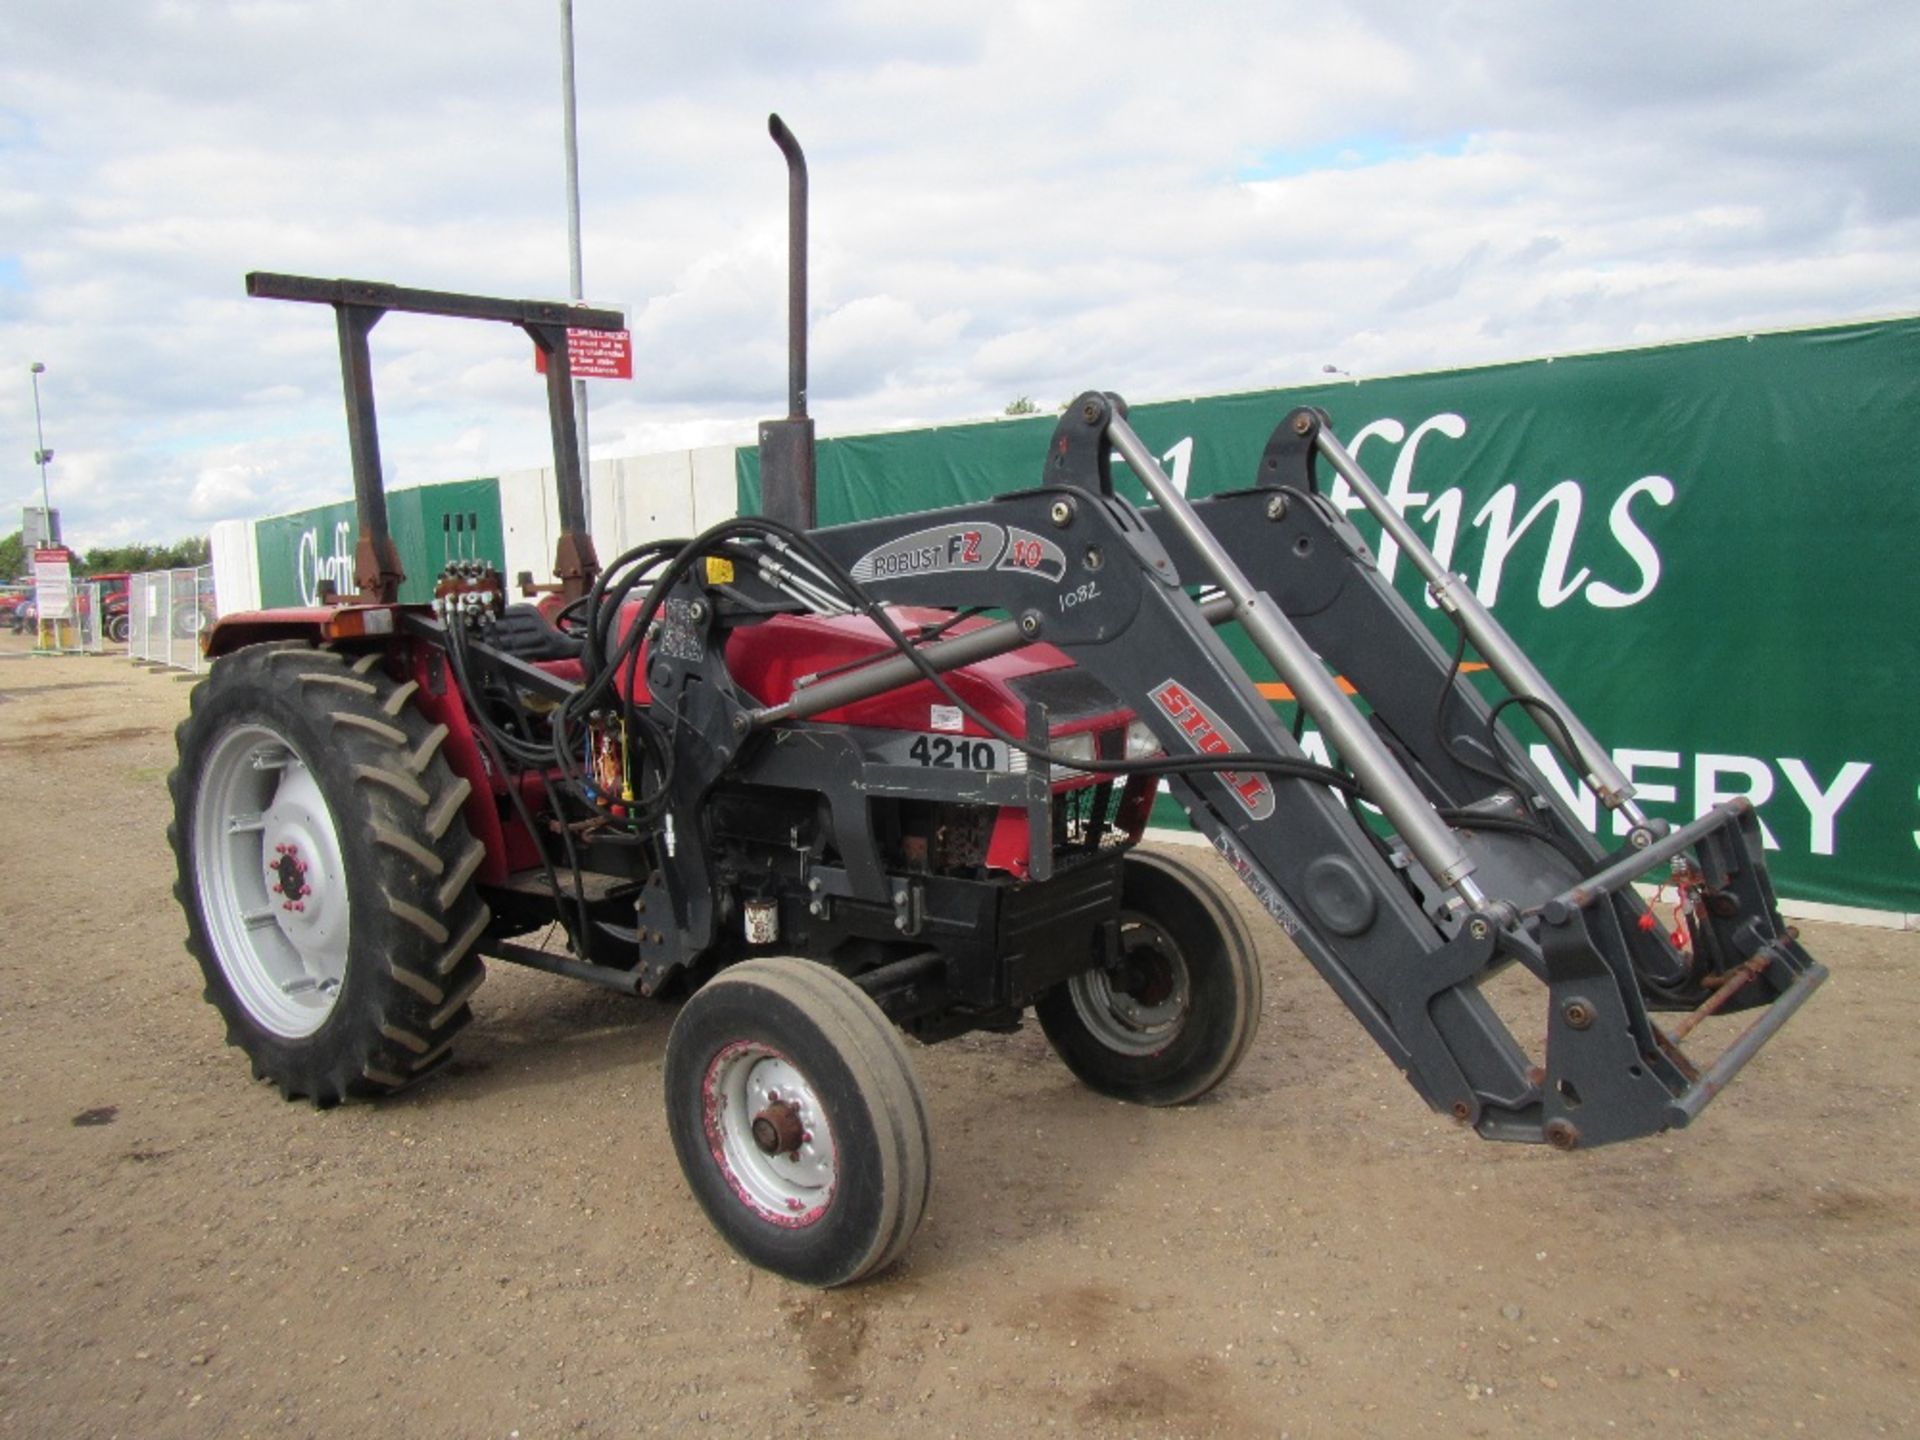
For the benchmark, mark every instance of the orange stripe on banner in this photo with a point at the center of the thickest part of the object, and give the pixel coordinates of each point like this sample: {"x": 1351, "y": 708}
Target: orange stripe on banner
{"x": 1274, "y": 690}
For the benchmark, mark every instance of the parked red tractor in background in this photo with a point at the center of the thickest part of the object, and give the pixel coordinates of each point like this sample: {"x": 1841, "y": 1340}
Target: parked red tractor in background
{"x": 115, "y": 619}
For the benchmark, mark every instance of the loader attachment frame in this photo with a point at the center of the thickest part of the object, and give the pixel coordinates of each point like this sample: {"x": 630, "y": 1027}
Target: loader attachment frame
{"x": 1482, "y": 865}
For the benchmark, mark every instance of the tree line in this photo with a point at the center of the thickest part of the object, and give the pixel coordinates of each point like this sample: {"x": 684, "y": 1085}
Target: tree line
{"x": 104, "y": 559}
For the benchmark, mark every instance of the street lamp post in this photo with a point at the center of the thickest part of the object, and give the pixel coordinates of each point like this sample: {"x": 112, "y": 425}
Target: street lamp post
{"x": 41, "y": 456}
{"x": 574, "y": 275}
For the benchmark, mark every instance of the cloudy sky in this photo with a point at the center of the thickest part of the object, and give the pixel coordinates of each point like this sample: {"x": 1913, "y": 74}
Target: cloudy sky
{"x": 1015, "y": 199}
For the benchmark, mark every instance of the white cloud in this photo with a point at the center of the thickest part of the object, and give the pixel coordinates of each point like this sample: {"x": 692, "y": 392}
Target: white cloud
{"x": 1025, "y": 199}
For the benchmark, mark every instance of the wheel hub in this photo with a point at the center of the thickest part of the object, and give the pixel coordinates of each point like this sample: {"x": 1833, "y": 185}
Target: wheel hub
{"x": 1139, "y": 1005}
{"x": 1145, "y": 975}
{"x": 302, "y": 862}
{"x": 287, "y": 874}
{"x": 777, "y": 1129}
{"x": 769, "y": 1132}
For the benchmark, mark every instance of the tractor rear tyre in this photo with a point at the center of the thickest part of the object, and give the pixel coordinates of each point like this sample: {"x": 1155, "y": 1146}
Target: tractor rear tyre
{"x": 798, "y": 1121}
{"x": 1173, "y": 1017}
{"x": 326, "y": 871}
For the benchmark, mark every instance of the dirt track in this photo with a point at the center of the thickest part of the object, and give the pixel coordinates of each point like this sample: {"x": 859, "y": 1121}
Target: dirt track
{"x": 510, "y": 1250}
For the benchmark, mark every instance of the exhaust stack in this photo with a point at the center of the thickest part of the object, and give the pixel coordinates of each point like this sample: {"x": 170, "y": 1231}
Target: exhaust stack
{"x": 787, "y": 477}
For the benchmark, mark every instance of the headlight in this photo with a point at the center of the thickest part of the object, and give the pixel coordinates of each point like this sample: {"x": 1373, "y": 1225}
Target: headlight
{"x": 1141, "y": 741}
{"x": 1073, "y": 749}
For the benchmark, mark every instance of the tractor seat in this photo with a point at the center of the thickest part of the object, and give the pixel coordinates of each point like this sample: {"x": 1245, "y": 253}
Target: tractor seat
{"x": 523, "y": 632}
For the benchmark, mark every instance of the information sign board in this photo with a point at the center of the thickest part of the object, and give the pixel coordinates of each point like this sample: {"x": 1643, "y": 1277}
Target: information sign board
{"x": 53, "y": 582}
{"x": 595, "y": 355}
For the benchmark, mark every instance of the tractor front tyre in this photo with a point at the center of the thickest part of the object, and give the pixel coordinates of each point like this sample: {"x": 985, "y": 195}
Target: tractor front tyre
{"x": 1172, "y": 1017}
{"x": 798, "y": 1122}
{"x": 326, "y": 871}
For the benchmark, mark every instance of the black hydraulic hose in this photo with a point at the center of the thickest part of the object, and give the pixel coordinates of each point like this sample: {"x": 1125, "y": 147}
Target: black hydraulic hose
{"x": 1250, "y": 761}
{"x": 609, "y": 595}
{"x": 1504, "y": 777}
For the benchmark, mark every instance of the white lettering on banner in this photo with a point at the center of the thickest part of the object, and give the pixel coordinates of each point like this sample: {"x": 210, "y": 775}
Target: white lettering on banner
{"x": 1630, "y": 761}
{"x": 1178, "y": 462}
{"x": 1400, "y": 493}
{"x": 1634, "y": 541}
{"x": 1758, "y": 775}
{"x": 310, "y": 567}
{"x": 1567, "y": 500}
{"x": 1823, "y": 803}
{"x": 1503, "y": 535}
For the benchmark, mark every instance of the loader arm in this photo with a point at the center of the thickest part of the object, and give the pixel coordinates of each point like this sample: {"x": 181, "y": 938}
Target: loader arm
{"x": 1473, "y": 874}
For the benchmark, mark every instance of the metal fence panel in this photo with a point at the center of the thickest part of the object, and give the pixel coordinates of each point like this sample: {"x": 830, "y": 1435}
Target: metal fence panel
{"x": 79, "y": 632}
{"x": 168, "y": 609}
{"x": 139, "y": 615}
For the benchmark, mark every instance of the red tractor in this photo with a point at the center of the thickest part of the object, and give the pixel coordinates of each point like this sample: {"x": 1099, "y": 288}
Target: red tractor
{"x": 115, "y": 617}
{"x": 830, "y": 787}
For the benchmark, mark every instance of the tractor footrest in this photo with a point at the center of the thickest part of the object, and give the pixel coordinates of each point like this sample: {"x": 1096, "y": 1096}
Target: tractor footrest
{"x": 594, "y": 886}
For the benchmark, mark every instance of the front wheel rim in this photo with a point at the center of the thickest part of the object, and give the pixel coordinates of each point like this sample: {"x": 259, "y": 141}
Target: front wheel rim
{"x": 272, "y": 881}
{"x": 752, "y": 1096}
{"x": 1140, "y": 1006}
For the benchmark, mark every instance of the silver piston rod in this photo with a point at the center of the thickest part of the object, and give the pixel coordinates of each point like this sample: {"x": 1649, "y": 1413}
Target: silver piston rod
{"x": 1490, "y": 638}
{"x": 1339, "y": 719}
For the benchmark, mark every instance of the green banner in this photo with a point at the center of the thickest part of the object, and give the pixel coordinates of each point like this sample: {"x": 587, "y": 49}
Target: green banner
{"x": 1706, "y": 547}
{"x": 298, "y": 551}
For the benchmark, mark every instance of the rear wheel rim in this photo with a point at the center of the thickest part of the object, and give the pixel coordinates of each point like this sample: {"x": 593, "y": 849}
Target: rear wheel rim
{"x": 1140, "y": 1007}
{"x": 272, "y": 881}
{"x": 743, "y": 1083}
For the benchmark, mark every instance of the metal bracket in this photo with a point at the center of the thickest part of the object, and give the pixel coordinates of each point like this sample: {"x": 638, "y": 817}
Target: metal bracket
{"x": 1292, "y": 449}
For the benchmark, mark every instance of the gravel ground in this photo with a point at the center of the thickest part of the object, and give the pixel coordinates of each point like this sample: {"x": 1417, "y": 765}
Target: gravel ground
{"x": 510, "y": 1249}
